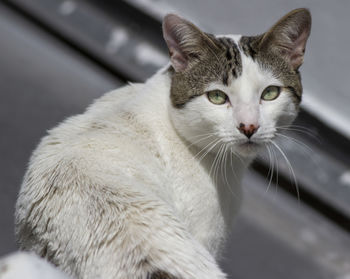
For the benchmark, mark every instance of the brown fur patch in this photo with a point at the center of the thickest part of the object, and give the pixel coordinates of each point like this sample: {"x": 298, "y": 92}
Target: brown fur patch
{"x": 278, "y": 49}
{"x": 219, "y": 61}
{"x": 275, "y": 63}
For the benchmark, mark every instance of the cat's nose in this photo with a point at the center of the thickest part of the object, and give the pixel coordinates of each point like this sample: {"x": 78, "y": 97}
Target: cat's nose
{"x": 248, "y": 130}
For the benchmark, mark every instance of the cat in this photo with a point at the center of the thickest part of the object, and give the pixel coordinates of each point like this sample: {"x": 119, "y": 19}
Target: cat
{"x": 146, "y": 182}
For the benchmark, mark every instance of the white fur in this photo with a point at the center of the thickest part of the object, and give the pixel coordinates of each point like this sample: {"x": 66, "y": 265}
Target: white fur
{"x": 21, "y": 265}
{"x": 124, "y": 189}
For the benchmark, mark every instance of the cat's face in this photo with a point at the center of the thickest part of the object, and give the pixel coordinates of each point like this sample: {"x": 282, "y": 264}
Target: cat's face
{"x": 234, "y": 92}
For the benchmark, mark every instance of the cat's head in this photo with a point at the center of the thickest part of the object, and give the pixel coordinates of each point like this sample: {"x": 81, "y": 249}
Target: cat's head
{"x": 235, "y": 90}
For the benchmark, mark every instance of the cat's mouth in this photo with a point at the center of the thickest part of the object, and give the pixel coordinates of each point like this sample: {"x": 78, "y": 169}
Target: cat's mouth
{"x": 250, "y": 144}
{"x": 249, "y": 148}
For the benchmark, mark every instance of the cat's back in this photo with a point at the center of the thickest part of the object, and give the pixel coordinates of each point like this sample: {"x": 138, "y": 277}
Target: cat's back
{"x": 115, "y": 135}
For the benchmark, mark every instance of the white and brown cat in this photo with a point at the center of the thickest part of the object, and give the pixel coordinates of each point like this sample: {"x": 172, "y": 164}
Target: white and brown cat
{"x": 146, "y": 182}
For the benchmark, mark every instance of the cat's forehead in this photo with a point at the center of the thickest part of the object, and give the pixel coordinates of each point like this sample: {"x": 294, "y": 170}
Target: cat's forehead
{"x": 232, "y": 62}
{"x": 242, "y": 70}
{"x": 234, "y": 37}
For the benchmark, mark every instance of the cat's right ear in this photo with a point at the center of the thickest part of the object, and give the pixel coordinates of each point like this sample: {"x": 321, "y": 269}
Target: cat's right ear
{"x": 186, "y": 43}
{"x": 289, "y": 35}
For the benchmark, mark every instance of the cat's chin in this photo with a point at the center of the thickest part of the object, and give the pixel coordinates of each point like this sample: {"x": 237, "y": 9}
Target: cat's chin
{"x": 248, "y": 149}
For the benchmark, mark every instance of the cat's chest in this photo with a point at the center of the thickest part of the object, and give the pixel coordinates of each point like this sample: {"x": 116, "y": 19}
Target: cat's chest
{"x": 197, "y": 201}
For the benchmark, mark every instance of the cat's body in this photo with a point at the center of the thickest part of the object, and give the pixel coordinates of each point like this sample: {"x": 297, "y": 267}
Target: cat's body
{"x": 136, "y": 187}
{"x": 89, "y": 153}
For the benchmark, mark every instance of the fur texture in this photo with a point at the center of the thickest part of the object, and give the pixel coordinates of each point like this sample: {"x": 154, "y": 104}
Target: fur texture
{"x": 145, "y": 183}
{"x": 28, "y": 265}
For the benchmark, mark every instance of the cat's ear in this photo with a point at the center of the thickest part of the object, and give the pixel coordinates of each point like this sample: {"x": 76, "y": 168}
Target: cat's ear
{"x": 186, "y": 42}
{"x": 289, "y": 35}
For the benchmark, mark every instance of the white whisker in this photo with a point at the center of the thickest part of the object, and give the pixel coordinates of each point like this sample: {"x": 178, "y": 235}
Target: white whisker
{"x": 296, "y": 141}
{"x": 299, "y": 129}
{"x": 207, "y": 151}
{"x": 289, "y": 167}
{"x": 271, "y": 168}
{"x": 211, "y": 145}
{"x": 214, "y": 164}
{"x": 200, "y": 140}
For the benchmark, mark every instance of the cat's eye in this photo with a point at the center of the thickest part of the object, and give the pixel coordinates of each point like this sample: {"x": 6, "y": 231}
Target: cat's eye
{"x": 217, "y": 97}
{"x": 270, "y": 93}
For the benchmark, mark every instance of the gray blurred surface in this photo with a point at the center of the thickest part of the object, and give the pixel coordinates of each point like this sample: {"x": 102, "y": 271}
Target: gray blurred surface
{"x": 326, "y": 68}
{"x": 41, "y": 82}
{"x": 277, "y": 237}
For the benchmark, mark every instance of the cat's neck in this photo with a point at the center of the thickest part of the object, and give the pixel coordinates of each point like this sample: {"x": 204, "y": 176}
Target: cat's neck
{"x": 226, "y": 171}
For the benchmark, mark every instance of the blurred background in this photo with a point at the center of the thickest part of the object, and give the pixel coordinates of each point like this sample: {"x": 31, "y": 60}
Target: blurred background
{"x": 57, "y": 56}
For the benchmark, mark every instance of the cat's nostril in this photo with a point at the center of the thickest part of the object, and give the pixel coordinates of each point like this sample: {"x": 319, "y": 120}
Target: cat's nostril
{"x": 248, "y": 130}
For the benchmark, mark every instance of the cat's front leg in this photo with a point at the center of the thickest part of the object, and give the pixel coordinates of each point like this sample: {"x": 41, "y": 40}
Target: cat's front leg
{"x": 176, "y": 255}
{"x": 156, "y": 245}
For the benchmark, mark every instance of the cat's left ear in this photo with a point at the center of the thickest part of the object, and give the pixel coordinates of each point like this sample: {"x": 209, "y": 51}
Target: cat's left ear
{"x": 289, "y": 35}
{"x": 185, "y": 41}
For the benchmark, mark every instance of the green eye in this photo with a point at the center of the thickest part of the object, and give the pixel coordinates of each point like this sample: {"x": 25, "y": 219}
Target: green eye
{"x": 217, "y": 97}
{"x": 270, "y": 93}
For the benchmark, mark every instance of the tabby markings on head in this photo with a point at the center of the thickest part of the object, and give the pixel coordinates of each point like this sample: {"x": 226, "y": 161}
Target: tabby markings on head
{"x": 199, "y": 59}
{"x": 219, "y": 64}
{"x": 234, "y": 62}
{"x": 267, "y": 59}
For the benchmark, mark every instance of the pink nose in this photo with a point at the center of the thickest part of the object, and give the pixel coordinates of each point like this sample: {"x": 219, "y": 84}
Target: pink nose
{"x": 248, "y": 130}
